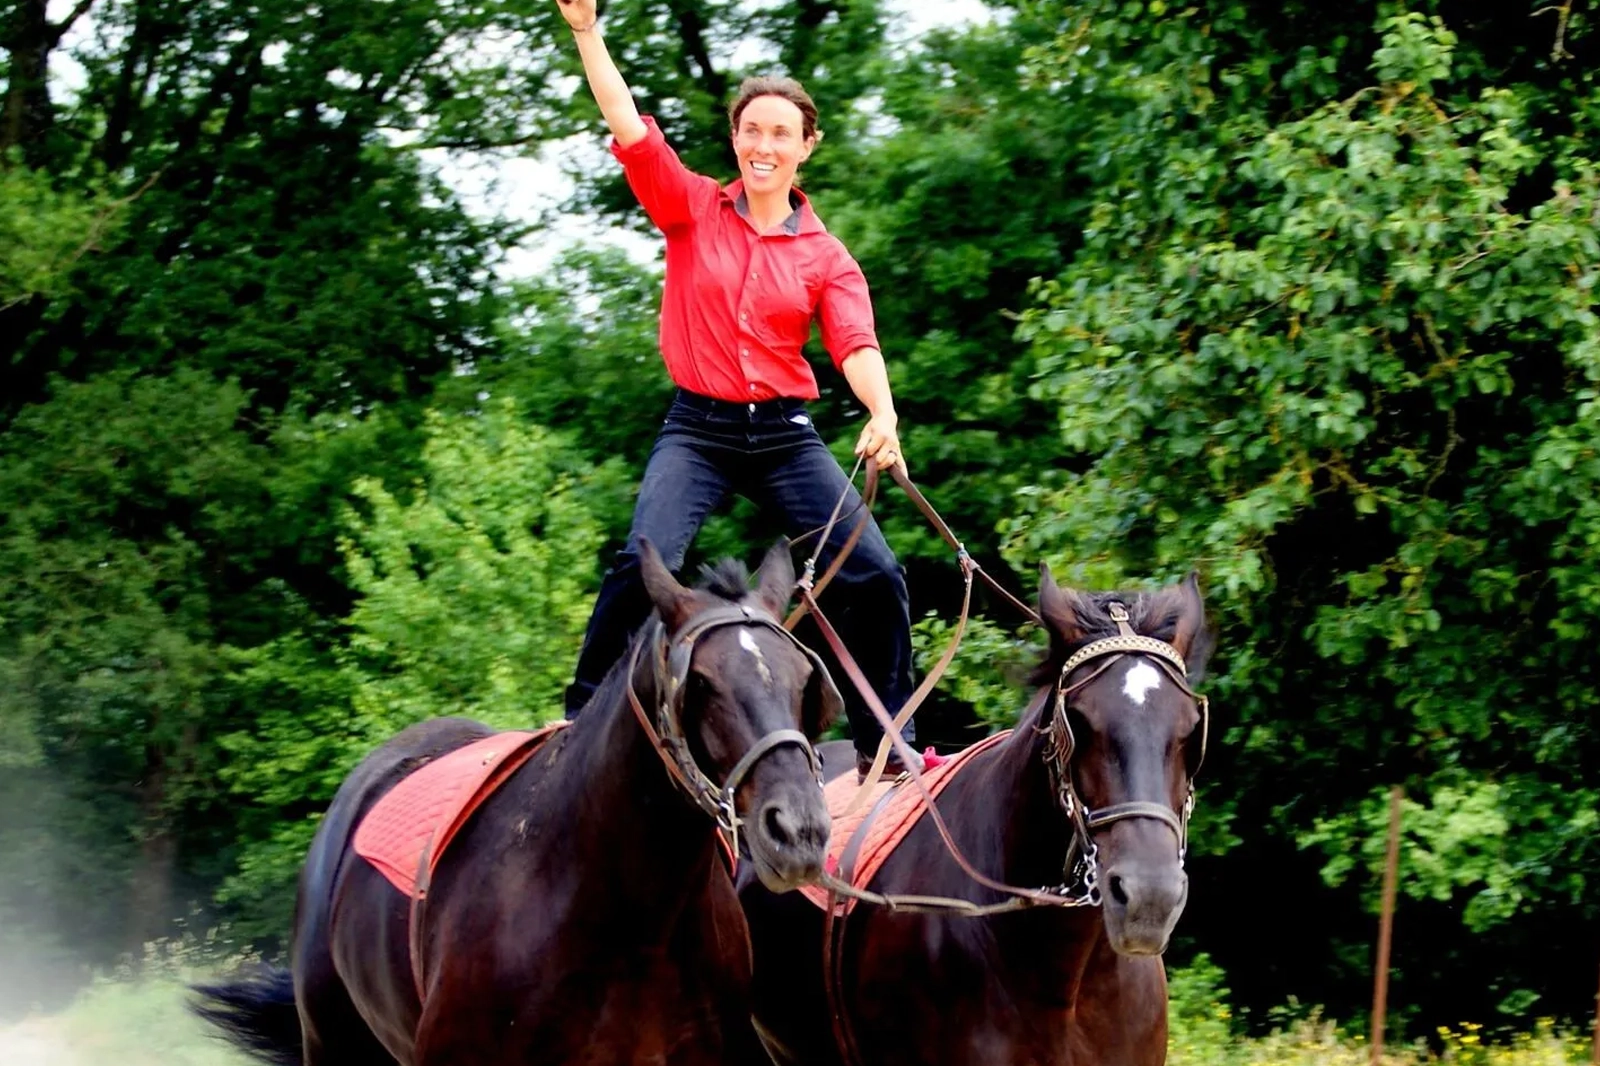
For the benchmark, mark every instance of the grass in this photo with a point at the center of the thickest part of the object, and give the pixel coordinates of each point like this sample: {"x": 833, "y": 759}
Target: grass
{"x": 139, "y": 1019}
{"x": 1321, "y": 1043}
{"x": 1202, "y": 1034}
{"x": 127, "y": 1018}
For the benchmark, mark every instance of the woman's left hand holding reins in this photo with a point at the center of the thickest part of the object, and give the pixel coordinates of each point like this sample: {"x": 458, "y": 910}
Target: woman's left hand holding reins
{"x": 880, "y": 440}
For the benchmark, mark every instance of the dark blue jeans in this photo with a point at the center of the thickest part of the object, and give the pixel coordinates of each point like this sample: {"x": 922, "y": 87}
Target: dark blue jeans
{"x": 770, "y": 453}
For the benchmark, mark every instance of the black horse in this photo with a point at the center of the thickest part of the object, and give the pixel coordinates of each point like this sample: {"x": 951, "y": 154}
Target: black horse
{"x": 1101, "y": 775}
{"x": 585, "y": 913}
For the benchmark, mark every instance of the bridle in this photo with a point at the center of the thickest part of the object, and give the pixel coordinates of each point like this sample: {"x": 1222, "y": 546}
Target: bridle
{"x": 1081, "y": 872}
{"x": 1082, "y": 863}
{"x": 1080, "y": 887}
{"x": 671, "y": 661}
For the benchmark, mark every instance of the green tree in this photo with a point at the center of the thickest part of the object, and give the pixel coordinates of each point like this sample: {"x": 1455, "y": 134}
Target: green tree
{"x": 109, "y": 494}
{"x": 474, "y": 586}
{"x": 1345, "y": 362}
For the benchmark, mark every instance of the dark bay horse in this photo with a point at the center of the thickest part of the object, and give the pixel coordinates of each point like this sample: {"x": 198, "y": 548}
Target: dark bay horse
{"x": 1043, "y": 986}
{"x": 585, "y": 913}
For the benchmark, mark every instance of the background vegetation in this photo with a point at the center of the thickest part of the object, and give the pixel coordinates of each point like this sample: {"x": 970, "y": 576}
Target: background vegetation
{"x": 1301, "y": 295}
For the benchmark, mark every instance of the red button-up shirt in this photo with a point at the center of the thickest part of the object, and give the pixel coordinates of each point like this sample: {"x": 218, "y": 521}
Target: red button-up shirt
{"x": 738, "y": 304}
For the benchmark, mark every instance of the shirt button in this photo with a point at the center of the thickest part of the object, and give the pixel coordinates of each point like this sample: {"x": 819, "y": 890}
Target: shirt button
{"x": 744, "y": 316}
{"x": 755, "y": 274}
{"x": 744, "y": 353}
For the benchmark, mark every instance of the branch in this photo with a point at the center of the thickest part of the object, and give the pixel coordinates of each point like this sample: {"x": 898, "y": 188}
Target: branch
{"x": 1452, "y": 438}
{"x": 692, "y": 32}
{"x": 59, "y": 30}
{"x": 97, "y": 229}
{"x": 1563, "y": 17}
{"x": 468, "y": 144}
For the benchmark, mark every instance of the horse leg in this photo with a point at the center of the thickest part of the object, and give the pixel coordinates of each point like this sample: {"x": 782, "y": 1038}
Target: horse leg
{"x": 333, "y": 1030}
{"x": 332, "y": 1026}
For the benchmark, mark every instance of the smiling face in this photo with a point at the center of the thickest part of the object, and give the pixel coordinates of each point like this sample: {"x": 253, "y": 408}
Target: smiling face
{"x": 770, "y": 143}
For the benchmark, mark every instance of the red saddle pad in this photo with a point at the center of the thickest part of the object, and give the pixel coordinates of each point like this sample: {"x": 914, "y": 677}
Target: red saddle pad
{"x": 865, "y": 834}
{"x": 404, "y": 835}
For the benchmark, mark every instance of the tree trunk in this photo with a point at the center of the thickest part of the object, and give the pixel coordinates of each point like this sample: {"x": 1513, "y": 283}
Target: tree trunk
{"x": 27, "y": 37}
{"x": 150, "y": 887}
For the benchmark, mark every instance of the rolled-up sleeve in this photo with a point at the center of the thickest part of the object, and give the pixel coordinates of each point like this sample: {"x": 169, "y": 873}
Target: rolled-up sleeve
{"x": 846, "y": 310}
{"x": 670, "y": 192}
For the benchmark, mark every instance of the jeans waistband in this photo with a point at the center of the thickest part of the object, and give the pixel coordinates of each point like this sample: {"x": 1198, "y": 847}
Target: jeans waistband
{"x": 781, "y": 407}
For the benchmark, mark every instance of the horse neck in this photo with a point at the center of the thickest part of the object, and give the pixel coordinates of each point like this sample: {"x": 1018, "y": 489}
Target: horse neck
{"x": 1008, "y": 809}
{"x": 655, "y": 841}
{"x": 1013, "y": 805}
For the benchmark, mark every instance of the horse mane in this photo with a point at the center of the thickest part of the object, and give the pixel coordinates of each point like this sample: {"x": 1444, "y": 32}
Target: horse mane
{"x": 728, "y": 578}
{"x": 1151, "y": 614}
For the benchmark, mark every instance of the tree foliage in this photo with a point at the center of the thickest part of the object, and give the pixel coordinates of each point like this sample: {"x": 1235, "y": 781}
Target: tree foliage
{"x": 1344, "y": 361}
{"x": 473, "y": 588}
{"x": 1297, "y": 294}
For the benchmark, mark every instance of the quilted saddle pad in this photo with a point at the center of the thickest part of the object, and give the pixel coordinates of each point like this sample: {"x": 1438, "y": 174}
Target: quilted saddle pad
{"x": 407, "y": 831}
{"x": 865, "y": 834}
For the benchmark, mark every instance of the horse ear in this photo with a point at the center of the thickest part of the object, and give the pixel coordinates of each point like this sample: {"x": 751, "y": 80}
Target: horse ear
{"x": 1062, "y": 609}
{"x": 823, "y": 704}
{"x": 669, "y": 597}
{"x": 1191, "y": 636}
{"x": 1182, "y": 606}
{"x": 775, "y": 579}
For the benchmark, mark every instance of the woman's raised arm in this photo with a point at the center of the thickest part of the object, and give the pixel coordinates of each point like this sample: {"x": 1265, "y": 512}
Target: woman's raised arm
{"x": 605, "y": 81}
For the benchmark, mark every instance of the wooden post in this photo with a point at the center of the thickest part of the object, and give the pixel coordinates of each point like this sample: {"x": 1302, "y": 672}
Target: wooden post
{"x": 1391, "y": 878}
{"x": 1597, "y": 1029}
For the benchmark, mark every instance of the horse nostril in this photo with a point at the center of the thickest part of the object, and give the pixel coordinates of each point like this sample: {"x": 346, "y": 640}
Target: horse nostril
{"x": 1118, "y": 891}
{"x": 779, "y": 826}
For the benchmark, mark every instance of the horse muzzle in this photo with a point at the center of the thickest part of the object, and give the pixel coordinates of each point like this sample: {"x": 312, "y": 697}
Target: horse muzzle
{"x": 1142, "y": 903}
{"x": 787, "y": 833}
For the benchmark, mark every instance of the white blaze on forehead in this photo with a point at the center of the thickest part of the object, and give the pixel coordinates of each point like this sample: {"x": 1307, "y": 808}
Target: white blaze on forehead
{"x": 748, "y": 643}
{"x": 1141, "y": 680}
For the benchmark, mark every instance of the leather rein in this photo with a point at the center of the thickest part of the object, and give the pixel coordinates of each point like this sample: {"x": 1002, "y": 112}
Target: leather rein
{"x": 1080, "y": 884}
{"x": 671, "y": 661}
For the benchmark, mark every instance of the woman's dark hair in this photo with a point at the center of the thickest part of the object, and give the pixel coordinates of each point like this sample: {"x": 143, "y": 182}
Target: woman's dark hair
{"x": 785, "y": 88}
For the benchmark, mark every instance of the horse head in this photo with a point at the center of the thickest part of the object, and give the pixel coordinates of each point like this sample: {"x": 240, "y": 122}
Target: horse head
{"x": 738, "y": 700}
{"x": 1126, "y": 735}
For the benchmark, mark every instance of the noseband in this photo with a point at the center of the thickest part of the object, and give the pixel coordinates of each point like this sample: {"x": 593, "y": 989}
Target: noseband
{"x": 666, "y": 734}
{"x": 1082, "y": 864}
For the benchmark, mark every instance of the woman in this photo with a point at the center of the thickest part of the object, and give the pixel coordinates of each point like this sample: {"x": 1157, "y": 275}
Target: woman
{"x": 749, "y": 266}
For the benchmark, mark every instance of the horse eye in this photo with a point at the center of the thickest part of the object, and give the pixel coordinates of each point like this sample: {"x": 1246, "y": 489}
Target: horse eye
{"x": 1079, "y": 723}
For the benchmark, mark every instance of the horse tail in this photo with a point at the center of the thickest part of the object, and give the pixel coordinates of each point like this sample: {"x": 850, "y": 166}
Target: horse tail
{"x": 256, "y": 1013}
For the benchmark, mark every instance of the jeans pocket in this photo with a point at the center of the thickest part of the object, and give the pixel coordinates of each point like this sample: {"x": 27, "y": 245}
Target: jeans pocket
{"x": 681, "y": 415}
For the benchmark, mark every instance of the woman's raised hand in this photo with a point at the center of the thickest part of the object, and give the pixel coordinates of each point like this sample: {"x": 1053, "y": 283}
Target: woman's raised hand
{"x": 580, "y": 14}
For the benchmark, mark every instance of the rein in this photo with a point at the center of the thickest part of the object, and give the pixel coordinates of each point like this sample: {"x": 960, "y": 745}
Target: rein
{"x": 1080, "y": 885}
{"x": 666, "y": 734}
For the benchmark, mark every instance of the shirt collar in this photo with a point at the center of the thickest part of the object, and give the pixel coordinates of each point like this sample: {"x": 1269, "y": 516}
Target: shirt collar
{"x": 801, "y": 220}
